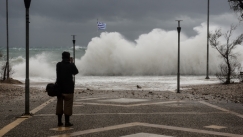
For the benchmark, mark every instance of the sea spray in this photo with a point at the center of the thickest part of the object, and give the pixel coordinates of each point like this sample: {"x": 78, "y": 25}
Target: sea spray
{"x": 154, "y": 53}
{"x": 42, "y": 66}
{"x": 39, "y": 66}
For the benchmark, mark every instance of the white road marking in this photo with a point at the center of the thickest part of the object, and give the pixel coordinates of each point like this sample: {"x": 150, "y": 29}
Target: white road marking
{"x": 214, "y": 127}
{"x": 222, "y": 109}
{"x": 131, "y": 105}
{"x": 61, "y": 128}
{"x": 98, "y": 130}
{"x": 81, "y": 99}
{"x": 155, "y": 113}
{"x": 145, "y": 135}
{"x": 125, "y": 100}
{"x": 149, "y": 126}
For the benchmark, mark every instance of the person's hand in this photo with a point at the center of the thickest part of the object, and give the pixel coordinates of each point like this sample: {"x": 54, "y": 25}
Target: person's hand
{"x": 71, "y": 60}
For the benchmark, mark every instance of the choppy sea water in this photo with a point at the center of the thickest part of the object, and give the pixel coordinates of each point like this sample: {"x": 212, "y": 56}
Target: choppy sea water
{"x": 151, "y": 83}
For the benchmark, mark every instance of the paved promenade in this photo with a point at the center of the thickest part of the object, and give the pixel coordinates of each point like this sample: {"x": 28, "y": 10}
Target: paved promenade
{"x": 106, "y": 116}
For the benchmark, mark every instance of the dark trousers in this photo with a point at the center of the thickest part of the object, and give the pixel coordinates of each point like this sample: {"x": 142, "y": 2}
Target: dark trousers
{"x": 67, "y": 108}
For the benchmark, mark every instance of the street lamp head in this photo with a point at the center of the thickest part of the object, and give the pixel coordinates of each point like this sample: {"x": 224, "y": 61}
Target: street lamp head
{"x": 73, "y": 37}
{"x": 179, "y": 22}
{"x": 27, "y": 3}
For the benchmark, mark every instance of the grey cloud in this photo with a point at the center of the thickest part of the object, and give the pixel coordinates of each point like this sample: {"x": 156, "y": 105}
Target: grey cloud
{"x": 54, "y": 21}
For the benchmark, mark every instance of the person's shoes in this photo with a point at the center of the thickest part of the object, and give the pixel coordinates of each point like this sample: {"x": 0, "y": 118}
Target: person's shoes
{"x": 59, "y": 121}
{"x": 60, "y": 124}
{"x": 68, "y": 124}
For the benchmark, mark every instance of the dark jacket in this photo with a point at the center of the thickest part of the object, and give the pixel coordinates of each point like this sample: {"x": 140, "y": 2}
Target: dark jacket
{"x": 65, "y": 71}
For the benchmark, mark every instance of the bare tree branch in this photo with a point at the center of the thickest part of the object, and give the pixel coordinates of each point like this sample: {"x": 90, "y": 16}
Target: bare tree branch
{"x": 237, "y": 7}
{"x": 230, "y": 66}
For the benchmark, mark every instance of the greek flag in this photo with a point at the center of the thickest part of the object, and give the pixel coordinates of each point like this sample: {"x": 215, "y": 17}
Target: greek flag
{"x": 101, "y": 25}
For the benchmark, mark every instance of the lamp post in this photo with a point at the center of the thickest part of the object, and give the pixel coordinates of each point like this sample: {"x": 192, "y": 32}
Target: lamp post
{"x": 74, "y": 48}
{"x": 27, "y": 106}
{"x": 178, "y": 70}
{"x": 7, "y": 64}
{"x": 74, "y": 54}
{"x": 207, "y": 77}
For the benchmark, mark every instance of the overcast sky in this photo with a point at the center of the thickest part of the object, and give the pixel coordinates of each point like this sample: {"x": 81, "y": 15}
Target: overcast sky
{"x": 52, "y": 22}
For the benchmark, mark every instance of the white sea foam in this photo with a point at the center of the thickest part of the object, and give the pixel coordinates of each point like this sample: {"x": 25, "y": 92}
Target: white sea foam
{"x": 154, "y": 53}
{"x": 111, "y": 54}
{"x": 17, "y": 60}
{"x": 148, "y": 83}
{"x": 155, "y": 83}
{"x": 39, "y": 67}
{"x": 79, "y": 47}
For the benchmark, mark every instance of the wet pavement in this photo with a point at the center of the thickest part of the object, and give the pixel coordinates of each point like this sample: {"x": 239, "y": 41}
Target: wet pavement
{"x": 110, "y": 116}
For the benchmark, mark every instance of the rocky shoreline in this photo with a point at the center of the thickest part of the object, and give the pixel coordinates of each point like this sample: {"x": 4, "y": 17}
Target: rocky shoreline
{"x": 219, "y": 92}
{"x": 210, "y": 93}
{"x": 11, "y": 92}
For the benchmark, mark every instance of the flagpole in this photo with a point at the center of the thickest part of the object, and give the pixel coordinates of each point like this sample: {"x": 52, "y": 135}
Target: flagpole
{"x": 97, "y": 28}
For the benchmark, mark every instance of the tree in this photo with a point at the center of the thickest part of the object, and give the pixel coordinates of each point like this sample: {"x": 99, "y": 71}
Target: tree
{"x": 1, "y": 55}
{"x": 237, "y": 6}
{"x": 3, "y": 68}
{"x": 3, "y": 71}
{"x": 230, "y": 64}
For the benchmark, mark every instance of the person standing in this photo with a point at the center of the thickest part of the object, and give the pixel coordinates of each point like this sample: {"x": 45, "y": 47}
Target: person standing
{"x": 65, "y": 71}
